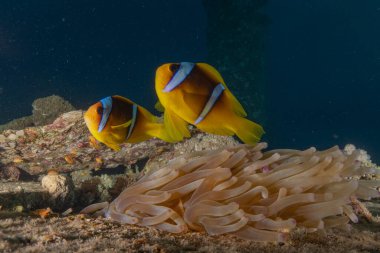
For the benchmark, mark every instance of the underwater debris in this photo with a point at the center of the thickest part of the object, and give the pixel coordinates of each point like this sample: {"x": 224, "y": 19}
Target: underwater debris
{"x": 246, "y": 192}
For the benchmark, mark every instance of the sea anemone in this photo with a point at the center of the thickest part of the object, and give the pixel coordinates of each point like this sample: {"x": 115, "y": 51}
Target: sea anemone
{"x": 246, "y": 192}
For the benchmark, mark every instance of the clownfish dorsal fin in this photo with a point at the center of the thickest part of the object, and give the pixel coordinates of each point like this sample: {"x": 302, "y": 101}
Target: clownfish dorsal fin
{"x": 211, "y": 72}
{"x": 124, "y": 125}
{"x": 216, "y": 77}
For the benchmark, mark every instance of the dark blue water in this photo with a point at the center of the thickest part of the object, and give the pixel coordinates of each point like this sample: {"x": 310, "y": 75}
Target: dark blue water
{"x": 323, "y": 73}
{"x": 87, "y": 49}
{"x": 322, "y": 60}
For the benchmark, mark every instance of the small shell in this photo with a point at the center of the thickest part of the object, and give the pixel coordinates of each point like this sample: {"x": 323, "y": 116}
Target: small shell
{"x": 43, "y": 213}
{"x": 98, "y": 160}
{"x": 69, "y": 159}
{"x": 18, "y": 160}
{"x": 74, "y": 151}
{"x": 52, "y": 172}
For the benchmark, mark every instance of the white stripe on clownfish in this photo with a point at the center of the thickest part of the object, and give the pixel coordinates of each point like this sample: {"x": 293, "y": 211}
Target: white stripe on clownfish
{"x": 107, "y": 107}
{"x": 184, "y": 70}
{"x": 217, "y": 91}
{"x": 134, "y": 117}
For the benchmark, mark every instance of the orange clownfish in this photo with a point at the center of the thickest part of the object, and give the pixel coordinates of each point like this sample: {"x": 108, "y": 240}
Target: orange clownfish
{"x": 114, "y": 120}
{"x": 195, "y": 93}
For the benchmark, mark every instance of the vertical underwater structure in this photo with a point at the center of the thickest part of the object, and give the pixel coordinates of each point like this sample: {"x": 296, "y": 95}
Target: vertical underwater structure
{"x": 235, "y": 41}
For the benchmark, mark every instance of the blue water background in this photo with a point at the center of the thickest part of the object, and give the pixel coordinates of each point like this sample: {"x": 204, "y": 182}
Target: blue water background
{"x": 323, "y": 73}
{"x": 322, "y": 60}
{"x": 87, "y": 49}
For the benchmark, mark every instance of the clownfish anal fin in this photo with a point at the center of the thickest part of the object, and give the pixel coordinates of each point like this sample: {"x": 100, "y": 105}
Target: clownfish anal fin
{"x": 175, "y": 126}
{"x": 124, "y": 125}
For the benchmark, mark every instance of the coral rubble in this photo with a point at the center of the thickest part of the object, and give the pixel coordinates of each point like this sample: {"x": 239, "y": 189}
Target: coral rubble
{"x": 98, "y": 173}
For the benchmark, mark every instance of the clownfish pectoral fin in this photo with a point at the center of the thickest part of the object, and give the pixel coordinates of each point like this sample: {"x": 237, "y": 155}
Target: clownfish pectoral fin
{"x": 175, "y": 126}
{"x": 124, "y": 125}
{"x": 216, "y": 77}
{"x": 159, "y": 107}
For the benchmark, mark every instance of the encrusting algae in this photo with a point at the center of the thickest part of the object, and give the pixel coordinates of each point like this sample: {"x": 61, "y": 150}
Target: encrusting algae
{"x": 246, "y": 192}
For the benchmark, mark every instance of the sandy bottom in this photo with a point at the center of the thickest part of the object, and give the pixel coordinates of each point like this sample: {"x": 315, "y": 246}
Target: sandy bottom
{"x": 78, "y": 233}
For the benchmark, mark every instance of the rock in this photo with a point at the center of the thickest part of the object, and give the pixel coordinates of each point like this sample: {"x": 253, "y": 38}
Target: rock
{"x": 11, "y": 173}
{"x": 20, "y": 133}
{"x": 17, "y": 124}
{"x": 46, "y": 110}
{"x": 30, "y": 195}
{"x": 12, "y": 137}
{"x": 61, "y": 190}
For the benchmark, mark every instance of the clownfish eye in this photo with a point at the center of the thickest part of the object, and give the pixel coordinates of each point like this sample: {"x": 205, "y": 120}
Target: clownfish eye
{"x": 99, "y": 110}
{"x": 174, "y": 67}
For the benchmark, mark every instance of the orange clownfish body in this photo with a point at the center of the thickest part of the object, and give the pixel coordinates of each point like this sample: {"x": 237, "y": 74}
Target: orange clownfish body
{"x": 114, "y": 120}
{"x": 195, "y": 93}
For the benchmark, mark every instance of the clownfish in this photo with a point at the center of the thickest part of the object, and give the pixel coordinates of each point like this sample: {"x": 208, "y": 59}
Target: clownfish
{"x": 195, "y": 93}
{"x": 115, "y": 120}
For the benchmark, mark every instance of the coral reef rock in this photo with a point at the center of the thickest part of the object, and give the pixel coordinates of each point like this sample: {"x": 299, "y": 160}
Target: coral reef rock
{"x": 45, "y": 111}
{"x": 19, "y": 123}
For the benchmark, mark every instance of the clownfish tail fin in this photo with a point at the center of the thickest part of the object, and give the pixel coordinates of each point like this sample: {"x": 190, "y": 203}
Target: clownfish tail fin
{"x": 248, "y": 131}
